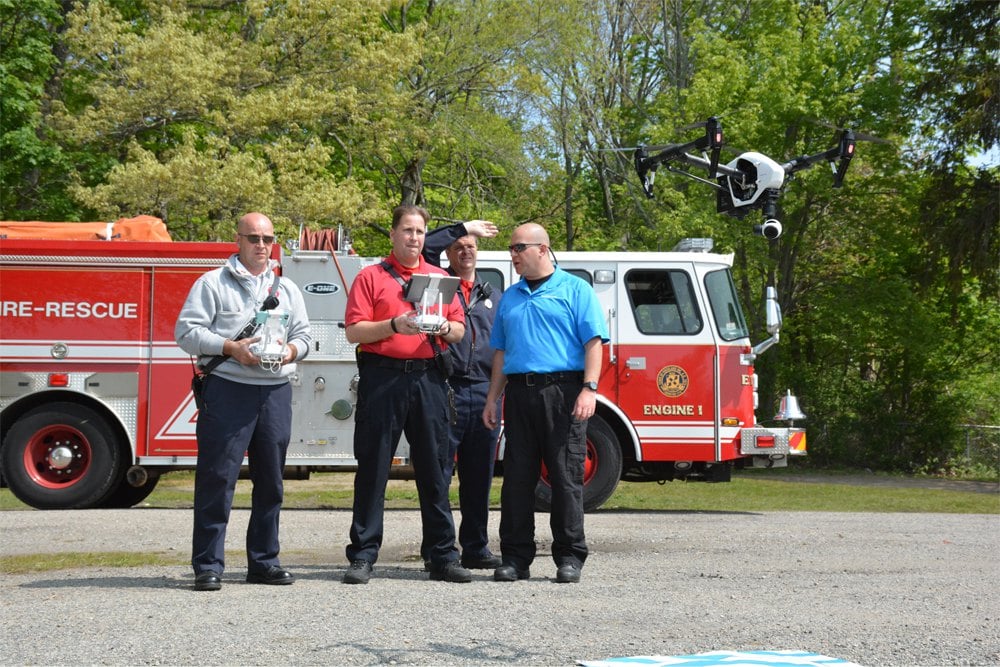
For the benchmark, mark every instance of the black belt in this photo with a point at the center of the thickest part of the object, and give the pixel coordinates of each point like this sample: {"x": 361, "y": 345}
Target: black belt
{"x": 467, "y": 380}
{"x": 405, "y": 365}
{"x": 542, "y": 379}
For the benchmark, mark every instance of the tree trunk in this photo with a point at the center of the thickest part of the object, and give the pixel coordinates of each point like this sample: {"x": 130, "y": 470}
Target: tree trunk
{"x": 411, "y": 183}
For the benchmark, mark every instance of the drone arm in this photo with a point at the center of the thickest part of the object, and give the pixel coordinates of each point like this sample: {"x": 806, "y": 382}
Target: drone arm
{"x": 840, "y": 154}
{"x": 682, "y": 172}
{"x": 845, "y": 153}
{"x": 646, "y": 164}
{"x": 805, "y": 161}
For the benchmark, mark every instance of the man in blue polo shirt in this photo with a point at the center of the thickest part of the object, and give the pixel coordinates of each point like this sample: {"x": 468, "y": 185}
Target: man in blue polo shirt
{"x": 547, "y": 334}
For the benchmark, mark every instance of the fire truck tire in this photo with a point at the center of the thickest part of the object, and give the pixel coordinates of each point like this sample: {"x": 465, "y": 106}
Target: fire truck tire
{"x": 127, "y": 495}
{"x": 601, "y": 473}
{"x": 61, "y": 456}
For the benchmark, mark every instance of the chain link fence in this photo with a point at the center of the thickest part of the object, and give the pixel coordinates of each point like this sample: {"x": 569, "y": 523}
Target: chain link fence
{"x": 982, "y": 446}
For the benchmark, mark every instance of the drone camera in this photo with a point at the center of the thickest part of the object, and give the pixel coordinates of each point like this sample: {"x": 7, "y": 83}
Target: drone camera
{"x": 770, "y": 229}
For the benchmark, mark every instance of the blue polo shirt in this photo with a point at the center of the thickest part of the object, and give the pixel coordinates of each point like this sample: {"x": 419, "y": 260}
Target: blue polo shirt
{"x": 544, "y": 331}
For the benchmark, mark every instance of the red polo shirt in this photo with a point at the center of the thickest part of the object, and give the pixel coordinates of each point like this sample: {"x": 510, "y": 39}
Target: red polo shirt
{"x": 376, "y": 296}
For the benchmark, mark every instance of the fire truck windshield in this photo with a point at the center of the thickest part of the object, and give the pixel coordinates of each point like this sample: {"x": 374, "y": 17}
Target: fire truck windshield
{"x": 725, "y": 305}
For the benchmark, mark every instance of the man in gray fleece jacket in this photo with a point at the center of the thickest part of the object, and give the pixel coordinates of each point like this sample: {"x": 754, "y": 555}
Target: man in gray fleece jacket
{"x": 246, "y": 401}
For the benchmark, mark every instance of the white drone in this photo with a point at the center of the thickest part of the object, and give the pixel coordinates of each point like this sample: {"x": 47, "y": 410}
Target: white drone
{"x": 751, "y": 181}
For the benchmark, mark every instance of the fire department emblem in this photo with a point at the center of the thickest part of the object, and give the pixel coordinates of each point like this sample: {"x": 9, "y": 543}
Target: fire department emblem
{"x": 672, "y": 381}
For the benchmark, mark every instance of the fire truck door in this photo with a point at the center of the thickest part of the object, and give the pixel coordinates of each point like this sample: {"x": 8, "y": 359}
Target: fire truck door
{"x": 666, "y": 352}
{"x": 733, "y": 375}
{"x": 172, "y": 412}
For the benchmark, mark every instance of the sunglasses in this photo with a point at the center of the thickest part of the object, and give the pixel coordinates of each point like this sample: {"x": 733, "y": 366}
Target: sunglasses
{"x": 518, "y": 248}
{"x": 254, "y": 239}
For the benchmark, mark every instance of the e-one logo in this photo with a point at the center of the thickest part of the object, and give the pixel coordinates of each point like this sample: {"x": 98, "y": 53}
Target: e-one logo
{"x": 322, "y": 288}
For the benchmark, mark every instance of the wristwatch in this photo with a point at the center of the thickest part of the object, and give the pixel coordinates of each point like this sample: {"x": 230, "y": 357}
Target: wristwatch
{"x": 592, "y": 386}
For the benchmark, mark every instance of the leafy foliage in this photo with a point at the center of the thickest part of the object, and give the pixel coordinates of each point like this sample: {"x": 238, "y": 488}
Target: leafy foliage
{"x": 330, "y": 112}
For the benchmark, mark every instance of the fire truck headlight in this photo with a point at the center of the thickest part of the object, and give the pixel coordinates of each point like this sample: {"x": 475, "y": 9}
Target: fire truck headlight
{"x": 604, "y": 277}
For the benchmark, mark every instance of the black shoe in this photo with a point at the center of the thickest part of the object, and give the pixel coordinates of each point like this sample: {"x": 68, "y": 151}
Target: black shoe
{"x": 359, "y": 572}
{"x": 452, "y": 571}
{"x": 427, "y": 566}
{"x": 510, "y": 573}
{"x": 274, "y": 576}
{"x": 568, "y": 574}
{"x": 487, "y": 562}
{"x": 207, "y": 581}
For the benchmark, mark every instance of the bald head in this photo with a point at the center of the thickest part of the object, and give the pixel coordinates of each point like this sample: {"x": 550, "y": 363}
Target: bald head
{"x": 255, "y": 237}
{"x": 252, "y": 220}
{"x": 531, "y": 232}
{"x": 530, "y": 251}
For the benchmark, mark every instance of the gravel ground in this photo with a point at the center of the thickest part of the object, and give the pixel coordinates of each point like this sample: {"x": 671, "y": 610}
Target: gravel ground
{"x": 874, "y": 589}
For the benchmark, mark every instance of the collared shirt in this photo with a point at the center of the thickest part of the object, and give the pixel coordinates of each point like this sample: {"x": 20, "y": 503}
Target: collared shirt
{"x": 545, "y": 330}
{"x": 376, "y": 296}
{"x": 473, "y": 355}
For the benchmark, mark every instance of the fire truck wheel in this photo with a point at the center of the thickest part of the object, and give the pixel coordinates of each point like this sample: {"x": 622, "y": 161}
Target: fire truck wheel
{"x": 127, "y": 495}
{"x": 61, "y": 456}
{"x": 601, "y": 470}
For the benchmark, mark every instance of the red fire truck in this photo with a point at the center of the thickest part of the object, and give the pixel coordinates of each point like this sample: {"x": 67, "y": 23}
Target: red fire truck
{"x": 95, "y": 399}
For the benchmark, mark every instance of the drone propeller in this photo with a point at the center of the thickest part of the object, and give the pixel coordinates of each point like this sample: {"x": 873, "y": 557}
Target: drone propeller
{"x": 630, "y": 149}
{"x": 699, "y": 123}
{"x": 711, "y": 141}
{"x": 859, "y": 136}
{"x": 690, "y": 126}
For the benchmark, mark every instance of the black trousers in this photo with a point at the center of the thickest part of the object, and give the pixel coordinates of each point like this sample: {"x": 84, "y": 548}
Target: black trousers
{"x": 240, "y": 418}
{"x": 472, "y": 450}
{"x": 392, "y": 402}
{"x": 540, "y": 427}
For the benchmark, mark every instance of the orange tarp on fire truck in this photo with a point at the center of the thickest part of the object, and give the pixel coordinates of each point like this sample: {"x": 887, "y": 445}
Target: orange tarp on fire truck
{"x": 140, "y": 228}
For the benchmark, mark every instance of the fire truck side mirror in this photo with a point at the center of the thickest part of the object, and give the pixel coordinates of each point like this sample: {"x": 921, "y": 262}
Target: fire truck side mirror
{"x": 772, "y": 311}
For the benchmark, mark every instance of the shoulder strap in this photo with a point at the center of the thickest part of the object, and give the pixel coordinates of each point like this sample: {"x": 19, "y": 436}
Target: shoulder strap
{"x": 392, "y": 272}
{"x": 271, "y": 302}
{"x": 213, "y": 363}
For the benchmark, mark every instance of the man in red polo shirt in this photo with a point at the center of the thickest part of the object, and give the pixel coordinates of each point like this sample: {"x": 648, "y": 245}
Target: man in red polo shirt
{"x": 401, "y": 390}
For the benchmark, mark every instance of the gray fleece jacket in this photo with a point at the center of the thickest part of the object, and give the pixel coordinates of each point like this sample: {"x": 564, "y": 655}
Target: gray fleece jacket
{"x": 220, "y": 304}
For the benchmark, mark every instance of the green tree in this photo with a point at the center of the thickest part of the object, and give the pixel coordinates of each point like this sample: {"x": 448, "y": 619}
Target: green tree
{"x": 330, "y": 112}
{"x": 210, "y": 112}
{"x": 32, "y": 164}
{"x": 453, "y": 148}
{"x": 869, "y": 330}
